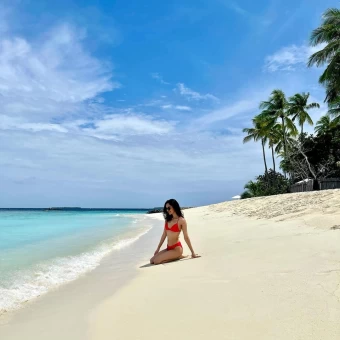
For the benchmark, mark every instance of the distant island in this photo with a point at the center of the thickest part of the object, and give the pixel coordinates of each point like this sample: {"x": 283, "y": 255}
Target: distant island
{"x": 62, "y": 208}
{"x": 151, "y": 211}
{"x": 160, "y": 209}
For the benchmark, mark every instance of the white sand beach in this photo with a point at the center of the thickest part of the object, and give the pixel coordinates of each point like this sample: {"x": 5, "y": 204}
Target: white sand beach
{"x": 270, "y": 269}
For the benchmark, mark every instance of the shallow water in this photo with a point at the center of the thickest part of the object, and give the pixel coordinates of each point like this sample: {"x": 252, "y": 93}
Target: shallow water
{"x": 41, "y": 250}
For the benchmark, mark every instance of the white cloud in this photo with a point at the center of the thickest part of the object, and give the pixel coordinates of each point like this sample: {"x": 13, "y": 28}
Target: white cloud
{"x": 130, "y": 125}
{"x": 182, "y": 108}
{"x": 51, "y": 76}
{"x": 10, "y": 123}
{"x": 158, "y": 77}
{"x": 167, "y": 106}
{"x": 240, "y": 107}
{"x": 177, "y": 107}
{"x": 154, "y": 102}
{"x": 193, "y": 95}
{"x": 115, "y": 172}
{"x": 289, "y": 58}
{"x": 115, "y": 126}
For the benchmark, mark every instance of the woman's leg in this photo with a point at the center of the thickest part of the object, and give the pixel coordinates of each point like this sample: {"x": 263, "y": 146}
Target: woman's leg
{"x": 168, "y": 255}
{"x": 160, "y": 252}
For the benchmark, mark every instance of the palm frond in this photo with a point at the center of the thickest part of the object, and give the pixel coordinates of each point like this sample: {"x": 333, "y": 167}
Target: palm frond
{"x": 313, "y": 106}
{"x": 328, "y": 31}
{"x": 336, "y": 121}
{"x": 334, "y": 108}
{"x": 308, "y": 119}
{"x": 248, "y": 138}
{"x": 332, "y": 16}
{"x": 265, "y": 105}
{"x": 291, "y": 126}
{"x": 325, "y": 55}
{"x": 331, "y": 70}
{"x": 323, "y": 125}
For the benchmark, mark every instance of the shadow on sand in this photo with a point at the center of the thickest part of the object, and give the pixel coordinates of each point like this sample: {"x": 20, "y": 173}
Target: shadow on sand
{"x": 170, "y": 261}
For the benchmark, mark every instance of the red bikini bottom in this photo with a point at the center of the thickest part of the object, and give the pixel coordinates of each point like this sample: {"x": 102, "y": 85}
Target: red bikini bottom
{"x": 178, "y": 244}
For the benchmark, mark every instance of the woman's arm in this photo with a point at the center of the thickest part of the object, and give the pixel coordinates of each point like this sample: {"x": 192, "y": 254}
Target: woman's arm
{"x": 163, "y": 237}
{"x": 183, "y": 224}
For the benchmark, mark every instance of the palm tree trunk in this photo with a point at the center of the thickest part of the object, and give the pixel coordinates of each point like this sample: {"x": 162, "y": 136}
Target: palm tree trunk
{"x": 284, "y": 142}
{"x": 273, "y": 158}
{"x": 264, "y": 157}
{"x": 284, "y": 137}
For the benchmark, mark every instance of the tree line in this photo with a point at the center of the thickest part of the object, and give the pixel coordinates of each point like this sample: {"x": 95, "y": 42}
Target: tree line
{"x": 280, "y": 123}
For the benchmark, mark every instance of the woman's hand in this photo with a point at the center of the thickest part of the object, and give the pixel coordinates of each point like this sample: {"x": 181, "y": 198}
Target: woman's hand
{"x": 157, "y": 251}
{"x": 194, "y": 255}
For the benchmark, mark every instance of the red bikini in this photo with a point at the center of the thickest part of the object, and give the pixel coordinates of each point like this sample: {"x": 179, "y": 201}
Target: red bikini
{"x": 178, "y": 244}
{"x": 175, "y": 229}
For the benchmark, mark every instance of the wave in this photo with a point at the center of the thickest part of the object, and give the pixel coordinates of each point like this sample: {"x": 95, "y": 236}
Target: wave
{"x": 30, "y": 284}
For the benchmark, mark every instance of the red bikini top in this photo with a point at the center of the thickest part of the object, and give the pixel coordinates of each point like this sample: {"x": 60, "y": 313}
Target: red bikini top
{"x": 174, "y": 228}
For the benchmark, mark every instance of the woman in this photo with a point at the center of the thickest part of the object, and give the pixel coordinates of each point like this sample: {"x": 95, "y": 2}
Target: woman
{"x": 175, "y": 223}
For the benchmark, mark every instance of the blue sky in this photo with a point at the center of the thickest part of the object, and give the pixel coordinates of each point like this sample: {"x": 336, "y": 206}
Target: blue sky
{"x": 127, "y": 104}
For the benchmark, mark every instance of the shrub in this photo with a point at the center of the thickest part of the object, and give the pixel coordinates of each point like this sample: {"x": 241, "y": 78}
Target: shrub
{"x": 246, "y": 194}
{"x": 271, "y": 183}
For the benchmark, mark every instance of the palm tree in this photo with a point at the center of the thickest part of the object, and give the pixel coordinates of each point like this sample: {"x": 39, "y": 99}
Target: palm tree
{"x": 276, "y": 108}
{"x": 324, "y": 125}
{"x": 289, "y": 140}
{"x": 270, "y": 130}
{"x": 298, "y": 107}
{"x": 279, "y": 148}
{"x": 329, "y": 33}
{"x": 257, "y": 132}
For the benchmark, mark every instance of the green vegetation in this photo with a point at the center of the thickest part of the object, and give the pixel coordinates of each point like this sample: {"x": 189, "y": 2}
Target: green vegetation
{"x": 302, "y": 156}
{"x": 271, "y": 183}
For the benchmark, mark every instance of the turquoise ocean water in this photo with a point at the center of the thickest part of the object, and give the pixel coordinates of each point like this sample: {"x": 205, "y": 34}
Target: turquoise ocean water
{"x": 40, "y": 250}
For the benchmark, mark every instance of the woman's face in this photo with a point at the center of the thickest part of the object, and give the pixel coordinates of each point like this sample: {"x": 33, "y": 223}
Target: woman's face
{"x": 169, "y": 209}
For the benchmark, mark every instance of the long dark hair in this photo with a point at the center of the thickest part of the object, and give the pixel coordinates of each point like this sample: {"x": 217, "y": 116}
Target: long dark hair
{"x": 175, "y": 206}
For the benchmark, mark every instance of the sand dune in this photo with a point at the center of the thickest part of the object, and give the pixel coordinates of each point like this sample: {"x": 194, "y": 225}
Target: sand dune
{"x": 284, "y": 207}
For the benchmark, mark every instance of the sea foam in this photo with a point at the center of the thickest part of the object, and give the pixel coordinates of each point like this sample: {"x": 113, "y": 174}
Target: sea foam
{"x": 26, "y": 285}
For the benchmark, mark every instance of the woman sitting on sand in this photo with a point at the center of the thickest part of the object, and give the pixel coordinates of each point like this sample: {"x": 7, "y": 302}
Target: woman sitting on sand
{"x": 174, "y": 224}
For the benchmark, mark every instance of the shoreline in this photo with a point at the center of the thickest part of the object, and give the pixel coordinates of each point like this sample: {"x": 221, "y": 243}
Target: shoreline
{"x": 71, "y": 303}
{"x": 78, "y": 256}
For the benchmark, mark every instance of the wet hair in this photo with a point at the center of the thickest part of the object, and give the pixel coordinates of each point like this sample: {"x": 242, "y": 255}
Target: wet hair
{"x": 175, "y": 206}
